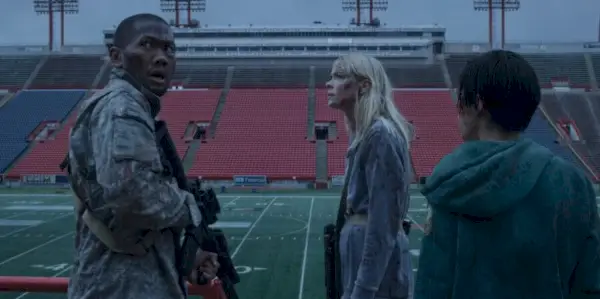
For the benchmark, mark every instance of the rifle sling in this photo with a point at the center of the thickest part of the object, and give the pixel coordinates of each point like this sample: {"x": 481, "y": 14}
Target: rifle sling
{"x": 97, "y": 227}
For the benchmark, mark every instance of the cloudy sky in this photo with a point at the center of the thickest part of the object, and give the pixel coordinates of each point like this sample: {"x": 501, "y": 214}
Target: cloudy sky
{"x": 537, "y": 21}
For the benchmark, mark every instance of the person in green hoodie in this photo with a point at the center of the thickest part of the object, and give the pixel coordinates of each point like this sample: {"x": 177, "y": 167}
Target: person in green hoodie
{"x": 509, "y": 219}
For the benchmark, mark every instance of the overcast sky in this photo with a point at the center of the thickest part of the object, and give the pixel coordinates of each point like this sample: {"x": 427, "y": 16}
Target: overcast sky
{"x": 537, "y": 21}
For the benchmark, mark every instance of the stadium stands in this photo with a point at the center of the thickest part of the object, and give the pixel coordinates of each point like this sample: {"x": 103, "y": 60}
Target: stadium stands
{"x": 541, "y": 132}
{"x": 549, "y": 68}
{"x": 596, "y": 65}
{"x": 197, "y": 73}
{"x": 455, "y": 64}
{"x": 263, "y": 120}
{"x": 181, "y": 107}
{"x": 558, "y": 67}
{"x": 260, "y": 132}
{"x": 336, "y": 149}
{"x": 434, "y": 116}
{"x": 15, "y": 70}
{"x": 290, "y": 76}
{"x": 415, "y": 76}
{"x": 46, "y": 155}
{"x": 21, "y": 116}
{"x": 401, "y": 75}
{"x": 68, "y": 72}
{"x": 565, "y": 108}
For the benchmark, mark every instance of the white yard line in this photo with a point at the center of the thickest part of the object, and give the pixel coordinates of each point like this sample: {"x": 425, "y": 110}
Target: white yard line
{"x": 20, "y": 214}
{"x": 304, "y": 257}
{"x": 421, "y": 228}
{"x": 12, "y": 258}
{"x": 239, "y": 246}
{"x": 32, "y": 226}
{"x": 232, "y": 202}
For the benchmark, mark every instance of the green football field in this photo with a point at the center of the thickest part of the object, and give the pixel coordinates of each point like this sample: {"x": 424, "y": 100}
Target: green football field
{"x": 276, "y": 242}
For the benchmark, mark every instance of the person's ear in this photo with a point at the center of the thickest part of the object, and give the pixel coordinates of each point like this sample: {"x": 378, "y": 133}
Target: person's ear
{"x": 116, "y": 56}
{"x": 363, "y": 86}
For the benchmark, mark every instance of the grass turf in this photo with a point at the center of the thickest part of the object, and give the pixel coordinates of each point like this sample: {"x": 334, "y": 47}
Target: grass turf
{"x": 276, "y": 241}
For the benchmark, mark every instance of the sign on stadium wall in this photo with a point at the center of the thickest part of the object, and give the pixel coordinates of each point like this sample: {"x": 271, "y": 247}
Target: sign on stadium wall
{"x": 250, "y": 180}
{"x": 38, "y": 179}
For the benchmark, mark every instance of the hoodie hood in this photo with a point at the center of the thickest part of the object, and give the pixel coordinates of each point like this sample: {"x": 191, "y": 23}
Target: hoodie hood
{"x": 485, "y": 178}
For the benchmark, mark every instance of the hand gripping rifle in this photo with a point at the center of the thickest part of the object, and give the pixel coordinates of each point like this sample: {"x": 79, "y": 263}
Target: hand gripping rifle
{"x": 201, "y": 237}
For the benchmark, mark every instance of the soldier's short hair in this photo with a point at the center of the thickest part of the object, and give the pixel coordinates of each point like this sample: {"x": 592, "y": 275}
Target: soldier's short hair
{"x": 126, "y": 30}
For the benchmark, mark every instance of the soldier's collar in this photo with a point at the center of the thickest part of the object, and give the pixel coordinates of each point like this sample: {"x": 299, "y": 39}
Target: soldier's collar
{"x": 153, "y": 99}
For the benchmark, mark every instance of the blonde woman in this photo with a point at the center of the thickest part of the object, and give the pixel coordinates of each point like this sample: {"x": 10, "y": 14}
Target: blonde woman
{"x": 373, "y": 247}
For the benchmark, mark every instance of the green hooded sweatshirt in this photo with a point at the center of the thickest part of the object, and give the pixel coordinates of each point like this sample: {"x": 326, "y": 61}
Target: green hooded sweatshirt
{"x": 510, "y": 220}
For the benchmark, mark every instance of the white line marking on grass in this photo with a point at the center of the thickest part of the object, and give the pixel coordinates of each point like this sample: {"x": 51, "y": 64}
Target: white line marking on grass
{"x": 237, "y": 249}
{"x": 20, "y": 214}
{"x": 11, "y": 222}
{"x": 415, "y": 223}
{"x": 12, "y": 258}
{"x": 304, "y": 257}
{"x": 231, "y": 203}
{"x": 32, "y": 226}
{"x": 55, "y": 275}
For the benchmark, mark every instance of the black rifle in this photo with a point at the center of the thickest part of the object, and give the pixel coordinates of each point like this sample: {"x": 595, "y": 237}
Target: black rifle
{"x": 331, "y": 239}
{"x": 333, "y": 287}
{"x": 201, "y": 237}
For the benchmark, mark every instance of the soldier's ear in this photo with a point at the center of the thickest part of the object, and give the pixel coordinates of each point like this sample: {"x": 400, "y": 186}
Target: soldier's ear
{"x": 116, "y": 56}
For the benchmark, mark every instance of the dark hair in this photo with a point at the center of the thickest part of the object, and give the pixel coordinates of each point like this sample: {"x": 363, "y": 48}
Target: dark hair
{"x": 126, "y": 29}
{"x": 506, "y": 84}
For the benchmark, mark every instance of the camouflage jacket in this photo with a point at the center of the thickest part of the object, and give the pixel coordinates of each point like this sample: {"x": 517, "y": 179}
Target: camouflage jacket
{"x": 116, "y": 170}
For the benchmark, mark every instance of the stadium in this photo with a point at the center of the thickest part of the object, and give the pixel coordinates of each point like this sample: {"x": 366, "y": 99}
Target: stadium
{"x": 248, "y": 113}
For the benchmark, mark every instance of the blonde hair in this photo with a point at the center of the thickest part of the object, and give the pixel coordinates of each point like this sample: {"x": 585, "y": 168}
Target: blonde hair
{"x": 377, "y": 102}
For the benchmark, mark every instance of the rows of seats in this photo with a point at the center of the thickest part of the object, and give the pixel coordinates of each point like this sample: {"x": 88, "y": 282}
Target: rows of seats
{"x": 259, "y": 132}
{"x": 415, "y": 76}
{"x": 549, "y": 68}
{"x": 68, "y": 72}
{"x": 565, "y": 108}
{"x": 436, "y": 131}
{"x": 196, "y": 73}
{"x": 22, "y": 115}
{"x": 336, "y": 149}
{"x": 46, "y": 156}
{"x": 293, "y": 76}
{"x": 540, "y": 130}
{"x": 15, "y": 70}
{"x": 455, "y": 64}
{"x": 596, "y": 65}
{"x": 181, "y": 107}
{"x": 557, "y": 67}
{"x": 401, "y": 76}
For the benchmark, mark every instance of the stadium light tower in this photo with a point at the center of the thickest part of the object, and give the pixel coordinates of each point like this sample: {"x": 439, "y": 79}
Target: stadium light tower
{"x": 183, "y": 5}
{"x": 50, "y": 7}
{"x": 496, "y": 18}
{"x": 362, "y": 5}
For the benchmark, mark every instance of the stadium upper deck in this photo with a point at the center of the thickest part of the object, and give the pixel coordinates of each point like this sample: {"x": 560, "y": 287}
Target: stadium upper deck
{"x": 227, "y": 96}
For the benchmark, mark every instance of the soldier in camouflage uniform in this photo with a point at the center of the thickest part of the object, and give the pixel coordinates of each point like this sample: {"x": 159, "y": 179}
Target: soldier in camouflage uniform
{"x": 130, "y": 214}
